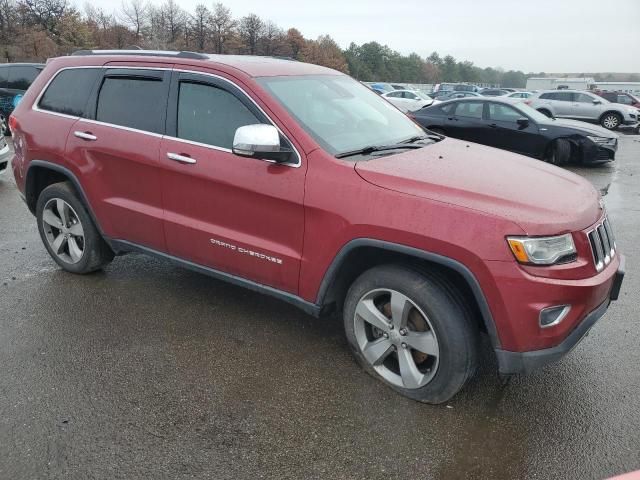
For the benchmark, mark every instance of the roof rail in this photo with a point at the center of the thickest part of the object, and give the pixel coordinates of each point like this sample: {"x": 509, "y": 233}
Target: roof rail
{"x": 145, "y": 53}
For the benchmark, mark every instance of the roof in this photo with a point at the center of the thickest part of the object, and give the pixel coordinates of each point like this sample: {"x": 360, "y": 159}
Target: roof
{"x": 254, "y": 66}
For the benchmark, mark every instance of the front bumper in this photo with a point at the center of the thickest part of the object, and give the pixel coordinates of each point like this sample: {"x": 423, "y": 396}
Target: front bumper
{"x": 595, "y": 153}
{"x": 524, "y": 362}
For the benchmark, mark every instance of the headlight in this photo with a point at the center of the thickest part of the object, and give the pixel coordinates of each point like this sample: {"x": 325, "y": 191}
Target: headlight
{"x": 602, "y": 140}
{"x": 542, "y": 250}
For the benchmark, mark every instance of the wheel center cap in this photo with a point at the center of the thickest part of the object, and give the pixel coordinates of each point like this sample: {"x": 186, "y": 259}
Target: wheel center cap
{"x": 394, "y": 336}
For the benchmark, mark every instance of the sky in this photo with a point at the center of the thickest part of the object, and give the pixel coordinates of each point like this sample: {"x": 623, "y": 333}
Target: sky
{"x": 574, "y": 36}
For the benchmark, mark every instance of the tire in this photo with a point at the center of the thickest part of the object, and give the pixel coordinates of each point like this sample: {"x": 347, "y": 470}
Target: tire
{"x": 559, "y": 152}
{"x": 545, "y": 112}
{"x": 437, "y": 130}
{"x": 77, "y": 246}
{"x": 611, "y": 120}
{"x": 435, "y": 318}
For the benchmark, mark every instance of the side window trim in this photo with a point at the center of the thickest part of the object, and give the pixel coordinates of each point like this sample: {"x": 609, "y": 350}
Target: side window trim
{"x": 229, "y": 86}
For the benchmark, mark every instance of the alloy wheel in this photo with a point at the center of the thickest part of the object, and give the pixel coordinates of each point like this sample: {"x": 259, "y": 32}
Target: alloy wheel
{"x": 610, "y": 121}
{"x": 396, "y": 338}
{"x": 63, "y": 230}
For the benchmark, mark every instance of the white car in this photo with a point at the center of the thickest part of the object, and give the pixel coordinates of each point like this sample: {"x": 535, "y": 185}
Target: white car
{"x": 520, "y": 95}
{"x": 408, "y": 100}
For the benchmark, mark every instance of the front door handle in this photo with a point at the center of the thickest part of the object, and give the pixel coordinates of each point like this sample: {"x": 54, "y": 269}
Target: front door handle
{"x": 86, "y": 136}
{"x": 181, "y": 158}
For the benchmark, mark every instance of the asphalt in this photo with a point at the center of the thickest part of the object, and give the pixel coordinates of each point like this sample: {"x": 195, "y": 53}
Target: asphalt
{"x": 149, "y": 371}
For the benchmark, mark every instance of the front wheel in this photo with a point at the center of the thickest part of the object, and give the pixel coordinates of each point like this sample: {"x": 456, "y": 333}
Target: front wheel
{"x": 611, "y": 121}
{"x": 68, "y": 232}
{"x": 559, "y": 152}
{"x": 411, "y": 331}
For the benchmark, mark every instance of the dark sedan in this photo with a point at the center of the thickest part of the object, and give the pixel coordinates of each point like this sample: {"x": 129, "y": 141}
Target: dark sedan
{"x": 514, "y": 126}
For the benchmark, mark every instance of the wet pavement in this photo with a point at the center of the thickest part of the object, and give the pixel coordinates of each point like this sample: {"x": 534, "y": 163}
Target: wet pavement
{"x": 149, "y": 371}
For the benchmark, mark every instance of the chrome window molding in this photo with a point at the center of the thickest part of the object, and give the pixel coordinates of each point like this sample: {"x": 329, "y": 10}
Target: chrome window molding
{"x": 36, "y": 108}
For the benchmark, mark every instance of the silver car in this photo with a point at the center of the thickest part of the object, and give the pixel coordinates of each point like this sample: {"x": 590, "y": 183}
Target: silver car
{"x": 4, "y": 154}
{"x": 586, "y": 106}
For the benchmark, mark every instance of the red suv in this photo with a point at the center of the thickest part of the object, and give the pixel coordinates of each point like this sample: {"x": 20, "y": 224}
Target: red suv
{"x": 299, "y": 182}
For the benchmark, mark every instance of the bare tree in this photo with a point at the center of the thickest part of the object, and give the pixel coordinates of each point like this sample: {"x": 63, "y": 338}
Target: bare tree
{"x": 135, "y": 15}
{"x": 273, "y": 39}
{"x": 200, "y": 26}
{"x": 175, "y": 20}
{"x": 223, "y": 27}
{"x": 251, "y": 31}
{"x": 46, "y": 13}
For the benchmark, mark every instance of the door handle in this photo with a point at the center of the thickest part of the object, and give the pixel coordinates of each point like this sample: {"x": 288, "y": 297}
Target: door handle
{"x": 181, "y": 158}
{"x": 86, "y": 136}
{"x": 493, "y": 125}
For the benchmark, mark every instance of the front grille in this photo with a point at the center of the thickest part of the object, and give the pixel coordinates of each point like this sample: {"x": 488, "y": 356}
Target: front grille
{"x": 603, "y": 244}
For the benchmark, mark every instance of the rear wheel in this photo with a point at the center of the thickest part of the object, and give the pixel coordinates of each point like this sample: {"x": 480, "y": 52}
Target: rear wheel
{"x": 611, "y": 120}
{"x": 559, "y": 152}
{"x": 68, "y": 232}
{"x": 411, "y": 331}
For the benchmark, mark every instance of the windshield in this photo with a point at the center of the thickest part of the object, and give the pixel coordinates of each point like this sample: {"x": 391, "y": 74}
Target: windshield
{"x": 339, "y": 113}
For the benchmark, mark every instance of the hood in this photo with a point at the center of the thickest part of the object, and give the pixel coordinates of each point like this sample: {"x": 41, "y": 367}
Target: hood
{"x": 542, "y": 199}
{"x": 582, "y": 127}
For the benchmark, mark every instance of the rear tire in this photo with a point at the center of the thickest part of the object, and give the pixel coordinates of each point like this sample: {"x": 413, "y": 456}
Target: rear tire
{"x": 611, "y": 120}
{"x": 432, "y": 349}
{"x": 559, "y": 152}
{"x": 67, "y": 231}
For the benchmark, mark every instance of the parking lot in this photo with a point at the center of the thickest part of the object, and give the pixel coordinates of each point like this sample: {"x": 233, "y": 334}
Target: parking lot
{"x": 147, "y": 371}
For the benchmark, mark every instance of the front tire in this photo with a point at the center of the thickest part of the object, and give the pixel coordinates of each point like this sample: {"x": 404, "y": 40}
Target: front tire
{"x": 559, "y": 152}
{"x": 68, "y": 232}
{"x": 611, "y": 120}
{"x": 412, "y": 331}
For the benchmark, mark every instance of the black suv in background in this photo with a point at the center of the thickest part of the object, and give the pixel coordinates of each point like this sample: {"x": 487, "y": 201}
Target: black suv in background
{"x": 15, "y": 79}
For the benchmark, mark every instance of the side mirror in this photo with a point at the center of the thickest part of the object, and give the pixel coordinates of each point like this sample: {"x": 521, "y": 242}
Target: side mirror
{"x": 260, "y": 141}
{"x": 596, "y": 101}
{"x": 523, "y": 122}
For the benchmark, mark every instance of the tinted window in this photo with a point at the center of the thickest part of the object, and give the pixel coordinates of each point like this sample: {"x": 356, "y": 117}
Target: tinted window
{"x": 623, "y": 99}
{"x": 470, "y": 109}
{"x": 548, "y": 96}
{"x": 563, "y": 96}
{"x": 410, "y": 96}
{"x": 69, "y": 91}
{"x": 211, "y": 115}
{"x": 132, "y": 102}
{"x": 21, "y": 77}
{"x": 4, "y": 76}
{"x": 395, "y": 94}
{"x": 448, "y": 108}
{"x": 503, "y": 113}
{"x": 583, "y": 98}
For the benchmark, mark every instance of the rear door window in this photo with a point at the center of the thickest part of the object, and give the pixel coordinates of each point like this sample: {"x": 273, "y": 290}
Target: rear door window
{"x": 582, "y": 98}
{"x": 470, "y": 110}
{"x": 133, "y": 100}
{"x": 69, "y": 91}
{"x": 503, "y": 113}
{"x": 20, "y": 77}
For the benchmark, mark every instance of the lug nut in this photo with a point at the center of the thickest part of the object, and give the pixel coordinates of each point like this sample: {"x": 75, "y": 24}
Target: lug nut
{"x": 386, "y": 335}
{"x": 404, "y": 345}
{"x": 391, "y": 326}
{"x": 403, "y": 331}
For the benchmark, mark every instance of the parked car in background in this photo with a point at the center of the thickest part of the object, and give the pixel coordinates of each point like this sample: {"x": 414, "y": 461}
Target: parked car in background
{"x": 294, "y": 180}
{"x": 408, "y": 100}
{"x": 4, "y": 154}
{"x": 493, "y": 92}
{"x": 454, "y": 95}
{"x": 623, "y": 98}
{"x": 520, "y": 95}
{"x": 381, "y": 87}
{"x": 15, "y": 79}
{"x": 514, "y": 126}
{"x": 585, "y": 106}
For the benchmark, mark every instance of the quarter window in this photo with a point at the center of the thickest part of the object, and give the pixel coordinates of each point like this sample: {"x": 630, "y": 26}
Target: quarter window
{"x": 69, "y": 91}
{"x": 132, "y": 102}
{"x": 210, "y": 115}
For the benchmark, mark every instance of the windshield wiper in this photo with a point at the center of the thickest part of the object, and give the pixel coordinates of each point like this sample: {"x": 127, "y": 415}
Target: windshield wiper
{"x": 377, "y": 148}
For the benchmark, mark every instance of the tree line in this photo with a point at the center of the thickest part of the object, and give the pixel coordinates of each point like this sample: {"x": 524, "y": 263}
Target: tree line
{"x": 34, "y": 30}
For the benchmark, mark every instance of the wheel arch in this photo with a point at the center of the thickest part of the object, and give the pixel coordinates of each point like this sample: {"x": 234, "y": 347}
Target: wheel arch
{"x": 41, "y": 174}
{"x": 607, "y": 112}
{"x": 361, "y": 254}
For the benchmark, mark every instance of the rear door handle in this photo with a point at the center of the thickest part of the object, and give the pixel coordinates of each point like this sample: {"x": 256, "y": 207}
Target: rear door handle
{"x": 181, "y": 158}
{"x": 86, "y": 136}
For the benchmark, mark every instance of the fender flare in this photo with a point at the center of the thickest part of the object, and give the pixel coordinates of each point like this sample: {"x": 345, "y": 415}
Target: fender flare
{"x": 72, "y": 178}
{"x": 469, "y": 277}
